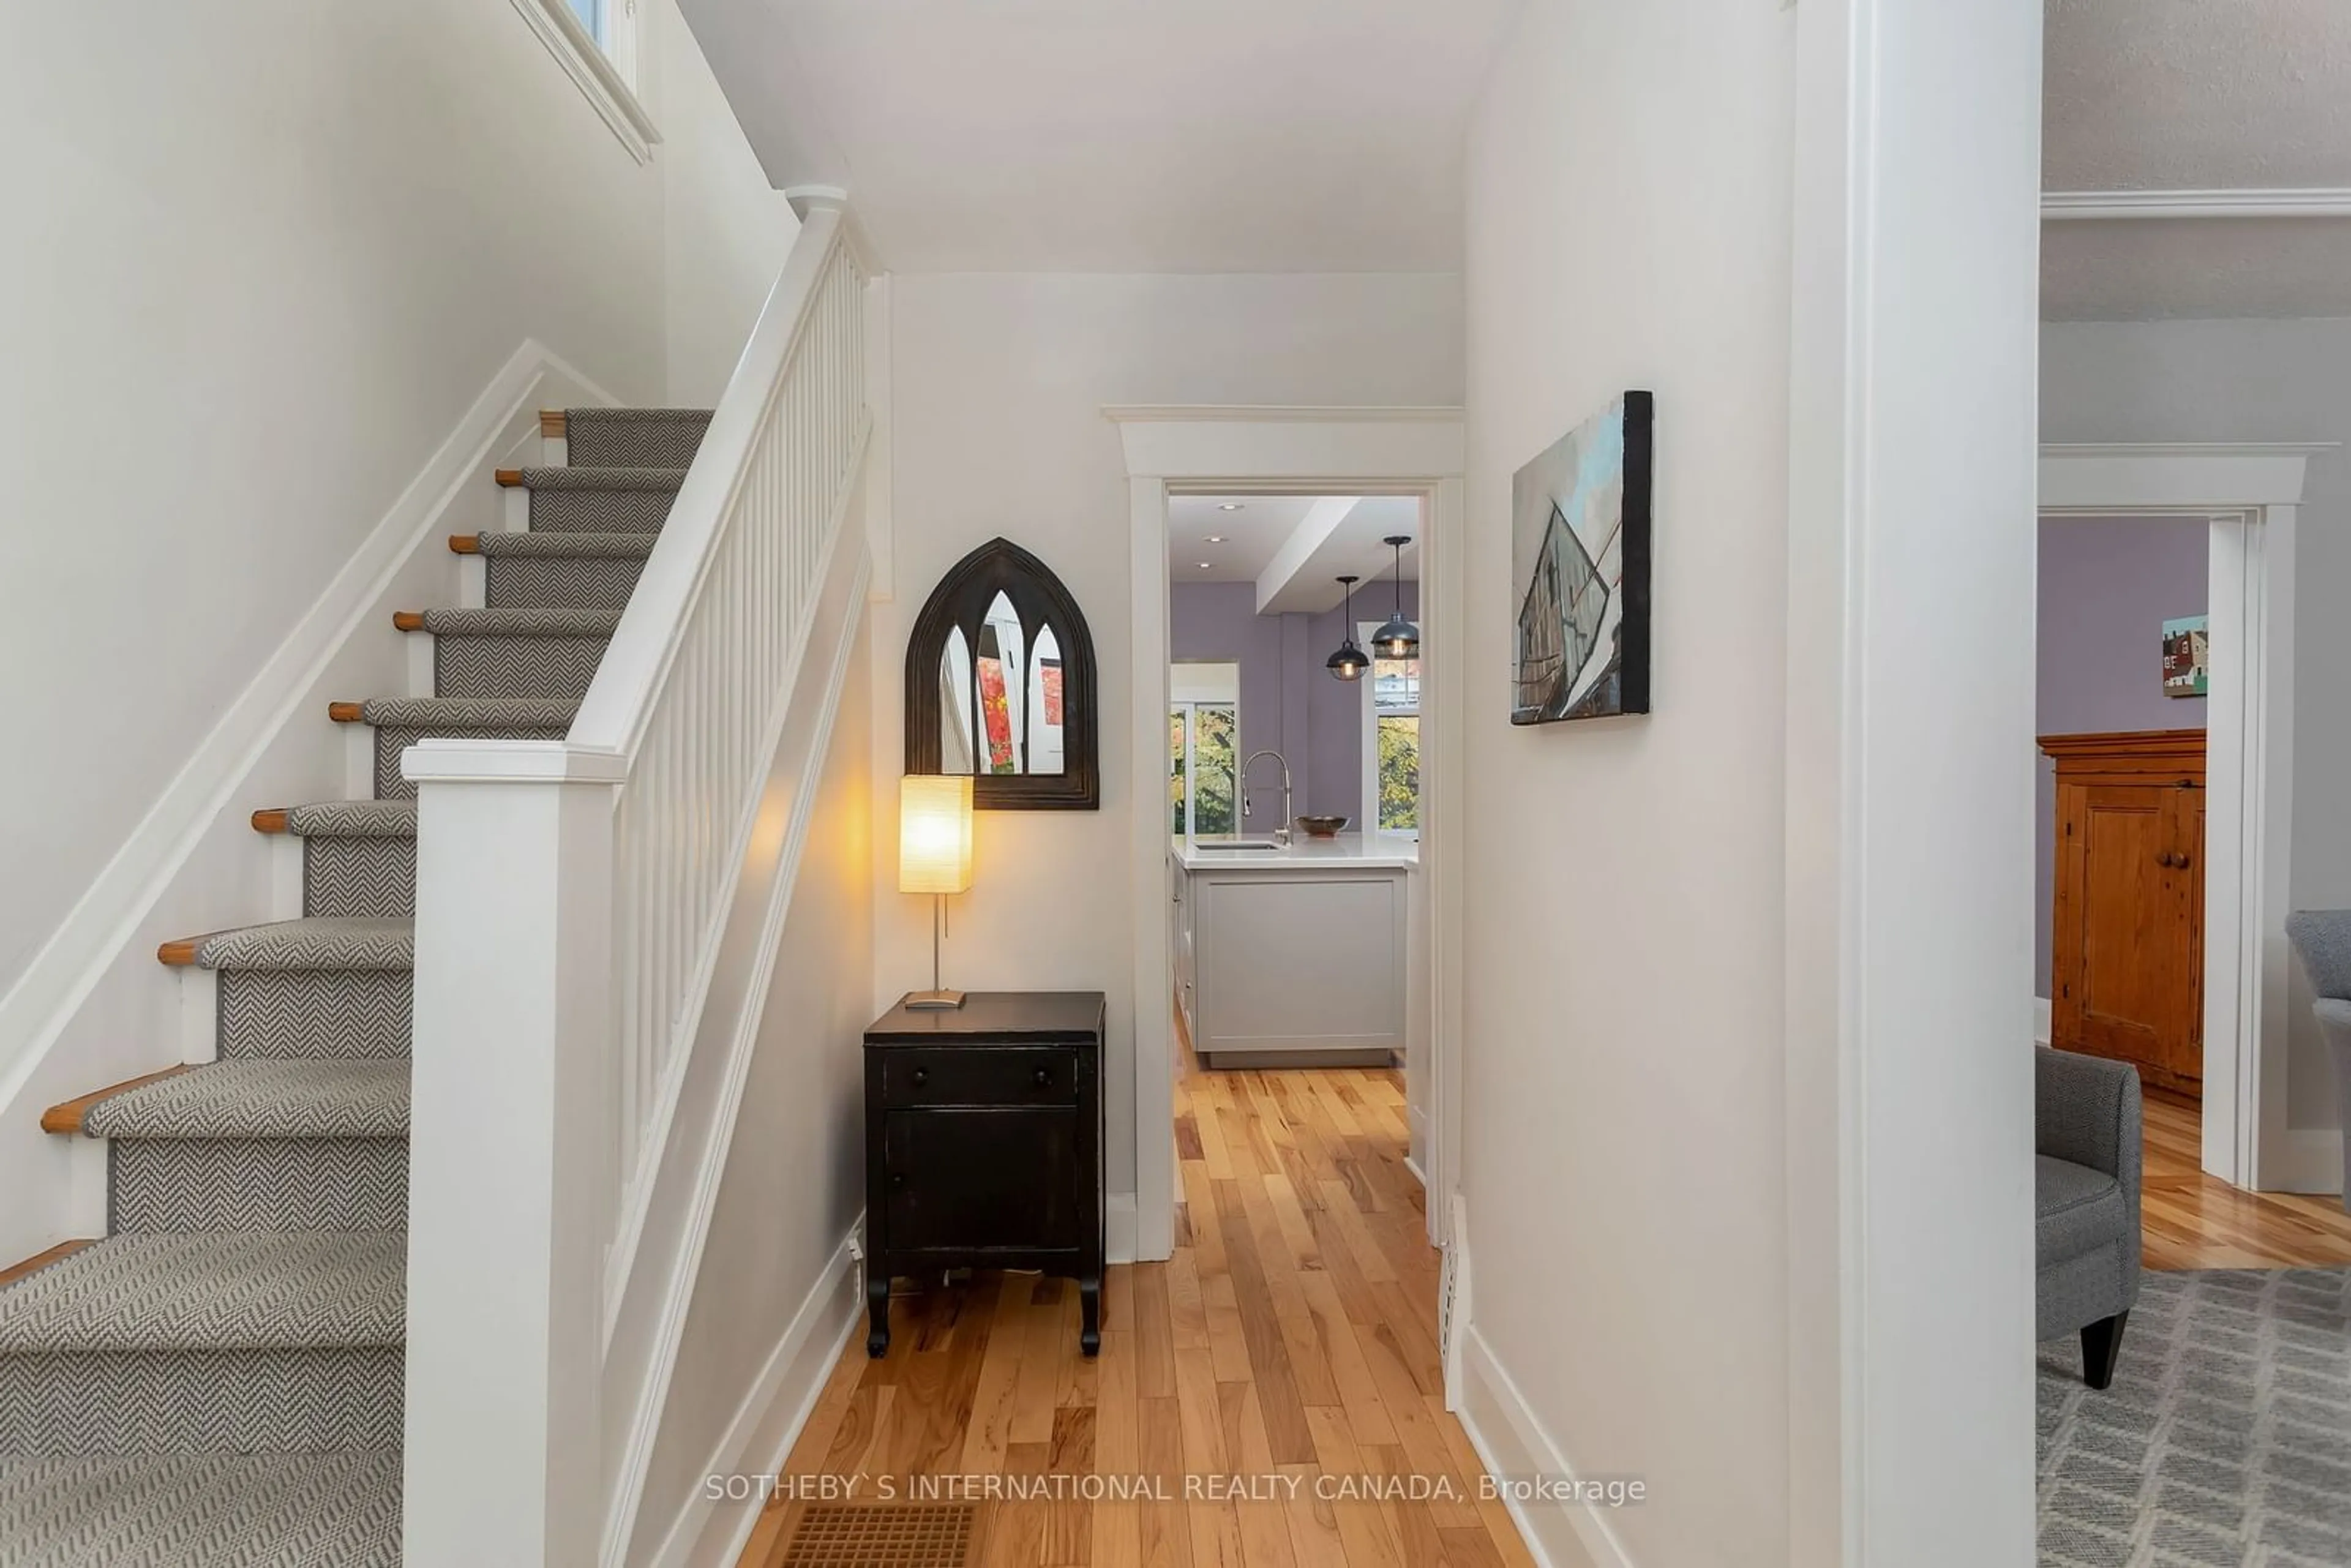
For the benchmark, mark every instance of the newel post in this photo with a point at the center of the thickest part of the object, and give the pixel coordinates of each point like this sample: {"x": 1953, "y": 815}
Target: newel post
{"x": 508, "y": 1144}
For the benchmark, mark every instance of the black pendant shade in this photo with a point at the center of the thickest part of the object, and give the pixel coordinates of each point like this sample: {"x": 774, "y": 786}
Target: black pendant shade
{"x": 1350, "y": 662}
{"x": 1399, "y": 639}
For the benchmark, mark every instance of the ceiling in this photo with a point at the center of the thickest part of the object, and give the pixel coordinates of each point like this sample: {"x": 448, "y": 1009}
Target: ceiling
{"x": 2196, "y": 95}
{"x": 1293, "y": 547}
{"x": 1120, "y": 135}
{"x": 1236, "y": 545}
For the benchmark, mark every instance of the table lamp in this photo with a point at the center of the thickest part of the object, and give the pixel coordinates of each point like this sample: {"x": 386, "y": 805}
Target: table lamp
{"x": 934, "y": 857}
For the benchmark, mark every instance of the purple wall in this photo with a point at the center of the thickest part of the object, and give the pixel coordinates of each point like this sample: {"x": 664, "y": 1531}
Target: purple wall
{"x": 1289, "y": 701}
{"x": 2107, "y": 585}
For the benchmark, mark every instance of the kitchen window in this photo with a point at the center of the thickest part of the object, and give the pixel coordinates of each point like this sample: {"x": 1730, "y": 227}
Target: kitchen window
{"x": 1392, "y": 742}
{"x": 1202, "y": 767}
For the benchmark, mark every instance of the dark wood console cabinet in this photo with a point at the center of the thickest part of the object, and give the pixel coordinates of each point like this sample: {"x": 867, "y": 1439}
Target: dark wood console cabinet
{"x": 984, "y": 1145}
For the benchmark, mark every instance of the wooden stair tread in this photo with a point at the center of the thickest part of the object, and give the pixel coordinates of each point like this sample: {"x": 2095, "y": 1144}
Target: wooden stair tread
{"x": 180, "y": 954}
{"x": 551, "y": 422}
{"x": 40, "y": 1260}
{"x": 67, "y": 1117}
{"x": 466, "y": 544}
{"x": 511, "y": 479}
{"x": 345, "y": 713}
{"x": 408, "y": 620}
{"x": 273, "y": 820}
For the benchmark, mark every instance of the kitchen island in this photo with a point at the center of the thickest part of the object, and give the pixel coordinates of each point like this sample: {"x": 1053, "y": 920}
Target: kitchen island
{"x": 1293, "y": 955}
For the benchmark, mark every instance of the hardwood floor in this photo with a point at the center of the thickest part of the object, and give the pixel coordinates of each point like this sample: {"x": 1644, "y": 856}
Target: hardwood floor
{"x": 2190, "y": 1220}
{"x": 1290, "y": 1343}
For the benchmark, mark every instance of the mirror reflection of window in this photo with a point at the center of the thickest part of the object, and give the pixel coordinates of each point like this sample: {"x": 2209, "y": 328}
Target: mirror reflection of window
{"x": 956, "y": 723}
{"x": 1045, "y": 703}
{"x": 1003, "y": 690}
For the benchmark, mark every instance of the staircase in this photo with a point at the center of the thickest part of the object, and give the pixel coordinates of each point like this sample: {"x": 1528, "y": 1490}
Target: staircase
{"x": 219, "y": 1380}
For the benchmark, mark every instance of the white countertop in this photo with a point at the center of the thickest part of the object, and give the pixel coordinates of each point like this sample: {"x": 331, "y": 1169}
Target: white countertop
{"x": 1368, "y": 851}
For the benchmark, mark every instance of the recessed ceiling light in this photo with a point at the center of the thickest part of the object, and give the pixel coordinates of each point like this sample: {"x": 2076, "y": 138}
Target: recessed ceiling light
{"x": 1215, "y": 538}
{"x": 1228, "y": 505}
{"x": 1204, "y": 565}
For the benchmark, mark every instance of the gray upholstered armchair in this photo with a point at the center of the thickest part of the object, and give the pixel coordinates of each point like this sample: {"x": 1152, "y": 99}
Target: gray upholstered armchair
{"x": 2322, "y": 937}
{"x": 2086, "y": 1203}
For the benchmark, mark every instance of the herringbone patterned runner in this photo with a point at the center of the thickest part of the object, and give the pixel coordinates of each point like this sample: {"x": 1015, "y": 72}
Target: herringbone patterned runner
{"x": 218, "y": 1383}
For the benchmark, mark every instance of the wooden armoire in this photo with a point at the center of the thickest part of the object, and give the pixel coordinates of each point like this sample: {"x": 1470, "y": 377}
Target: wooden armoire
{"x": 2127, "y": 977}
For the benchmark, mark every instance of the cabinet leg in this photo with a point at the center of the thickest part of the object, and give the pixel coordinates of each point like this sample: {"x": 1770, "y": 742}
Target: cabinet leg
{"x": 1090, "y": 1313}
{"x": 877, "y": 1310}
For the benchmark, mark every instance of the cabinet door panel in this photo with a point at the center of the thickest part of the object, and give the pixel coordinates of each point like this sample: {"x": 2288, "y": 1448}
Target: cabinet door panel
{"x": 2123, "y": 984}
{"x": 975, "y": 1178}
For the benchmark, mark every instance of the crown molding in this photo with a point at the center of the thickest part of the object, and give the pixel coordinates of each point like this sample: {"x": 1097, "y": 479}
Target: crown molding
{"x": 2316, "y": 202}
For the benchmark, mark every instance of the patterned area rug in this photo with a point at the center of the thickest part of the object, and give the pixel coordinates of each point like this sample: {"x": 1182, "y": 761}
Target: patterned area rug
{"x": 2225, "y": 1442}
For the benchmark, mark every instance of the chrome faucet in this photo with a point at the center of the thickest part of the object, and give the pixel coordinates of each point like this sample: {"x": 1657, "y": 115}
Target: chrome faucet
{"x": 1282, "y": 833}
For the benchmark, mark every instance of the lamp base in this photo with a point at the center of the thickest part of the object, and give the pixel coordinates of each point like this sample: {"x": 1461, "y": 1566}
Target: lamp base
{"x": 933, "y": 1001}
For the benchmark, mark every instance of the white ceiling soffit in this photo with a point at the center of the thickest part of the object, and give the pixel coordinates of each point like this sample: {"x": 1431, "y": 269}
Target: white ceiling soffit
{"x": 1342, "y": 534}
{"x": 1206, "y": 542}
{"x": 1120, "y": 135}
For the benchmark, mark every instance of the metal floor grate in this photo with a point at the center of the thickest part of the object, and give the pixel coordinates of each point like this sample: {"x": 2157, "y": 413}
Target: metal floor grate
{"x": 870, "y": 1535}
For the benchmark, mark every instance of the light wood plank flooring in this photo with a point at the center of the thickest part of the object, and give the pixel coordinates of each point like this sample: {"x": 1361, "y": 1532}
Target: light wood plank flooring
{"x": 1292, "y": 1336}
{"x": 2190, "y": 1220}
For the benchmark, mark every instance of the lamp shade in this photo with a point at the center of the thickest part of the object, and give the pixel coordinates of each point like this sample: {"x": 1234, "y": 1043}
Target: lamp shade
{"x": 935, "y": 835}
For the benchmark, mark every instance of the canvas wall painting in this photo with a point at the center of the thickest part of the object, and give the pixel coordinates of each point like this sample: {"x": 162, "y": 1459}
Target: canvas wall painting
{"x": 1580, "y": 570}
{"x": 2186, "y": 658}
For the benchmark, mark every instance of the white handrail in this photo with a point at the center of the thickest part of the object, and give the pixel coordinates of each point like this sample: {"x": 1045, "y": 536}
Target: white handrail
{"x": 691, "y": 688}
{"x": 582, "y": 929}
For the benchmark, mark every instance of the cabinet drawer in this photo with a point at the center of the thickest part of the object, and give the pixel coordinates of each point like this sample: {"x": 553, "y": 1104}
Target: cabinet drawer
{"x": 1006, "y": 1075}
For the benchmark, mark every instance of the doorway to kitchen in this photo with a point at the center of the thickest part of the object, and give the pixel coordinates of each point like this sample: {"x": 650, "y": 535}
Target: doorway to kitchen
{"x": 1293, "y": 779}
{"x": 1330, "y": 488}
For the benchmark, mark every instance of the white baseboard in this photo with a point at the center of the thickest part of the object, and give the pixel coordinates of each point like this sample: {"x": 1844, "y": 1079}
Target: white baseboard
{"x": 94, "y": 1007}
{"x": 2314, "y": 1161}
{"x": 1119, "y": 1228}
{"x": 1512, "y": 1442}
{"x": 2041, "y": 1029}
{"x": 710, "y": 1531}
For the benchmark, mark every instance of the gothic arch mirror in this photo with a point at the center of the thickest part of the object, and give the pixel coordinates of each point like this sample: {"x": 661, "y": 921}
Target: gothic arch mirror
{"x": 1001, "y": 686}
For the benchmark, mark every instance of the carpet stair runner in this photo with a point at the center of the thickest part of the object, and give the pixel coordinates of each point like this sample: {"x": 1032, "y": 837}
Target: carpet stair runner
{"x": 218, "y": 1380}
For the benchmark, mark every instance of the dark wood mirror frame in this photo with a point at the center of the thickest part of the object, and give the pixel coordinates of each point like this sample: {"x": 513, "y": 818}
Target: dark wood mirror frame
{"x": 960, "y": 602}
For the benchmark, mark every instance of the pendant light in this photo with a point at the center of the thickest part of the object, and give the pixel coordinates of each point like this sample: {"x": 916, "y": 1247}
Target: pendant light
{"x": 1399, "y": 639}
{"x": 1350, "y": 662}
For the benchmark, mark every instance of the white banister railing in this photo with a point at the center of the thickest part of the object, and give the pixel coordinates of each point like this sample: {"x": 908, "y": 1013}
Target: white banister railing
{"x": 691, "y": 690}
{"x": 583, "y": 911}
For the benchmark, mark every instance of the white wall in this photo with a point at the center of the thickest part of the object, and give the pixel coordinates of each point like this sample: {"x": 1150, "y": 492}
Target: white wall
{"x": 795, "y": 1177}
{"x": 1629, "y": 226}
{"x": 999, "y": 381}
{"x": 2251, "y": 380}
{"x": 725, "y": 231}
{"x": 273, "y": 257}
{"x": 270, "y": 255}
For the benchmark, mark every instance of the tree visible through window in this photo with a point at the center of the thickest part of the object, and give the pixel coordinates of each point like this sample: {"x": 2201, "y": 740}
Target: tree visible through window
{"x": 1394, "y": 712}
{"x": 1201, "y": 744}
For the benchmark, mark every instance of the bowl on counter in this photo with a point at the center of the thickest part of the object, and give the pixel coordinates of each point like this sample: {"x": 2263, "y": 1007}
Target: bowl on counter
{"x": 1323, "y": 827}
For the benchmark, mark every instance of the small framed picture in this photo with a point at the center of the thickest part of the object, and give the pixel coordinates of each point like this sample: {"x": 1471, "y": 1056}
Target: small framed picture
{"x": 2186, "y": 661}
